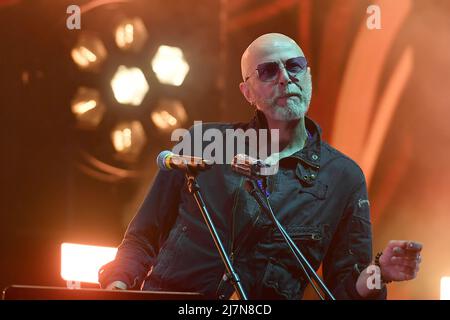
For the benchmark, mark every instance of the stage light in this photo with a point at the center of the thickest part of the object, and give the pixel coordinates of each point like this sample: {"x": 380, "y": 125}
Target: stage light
{"x": 131, "y": 34}
{"x": 445, "y": 288}
{"x": 82, "y": 262}
{"x": 129, "y": 85}
{"x": 128, "y": 139}
{"x": 84, "y": 106}
{"x": 89, "y": 52}
{"x": 87, "y": 108}
{"x": 169, "y": 114}
{"x": 170, "y": 66}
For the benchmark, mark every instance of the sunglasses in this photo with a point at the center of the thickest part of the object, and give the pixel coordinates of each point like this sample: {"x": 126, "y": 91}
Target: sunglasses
{"x": 268, "y": 71}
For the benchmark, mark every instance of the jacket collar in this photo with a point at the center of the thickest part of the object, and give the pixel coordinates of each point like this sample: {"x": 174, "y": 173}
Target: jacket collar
{"x": 310, "y": 154}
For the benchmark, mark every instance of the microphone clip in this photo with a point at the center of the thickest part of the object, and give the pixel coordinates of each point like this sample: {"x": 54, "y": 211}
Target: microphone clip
{"x": 251, "y": 167}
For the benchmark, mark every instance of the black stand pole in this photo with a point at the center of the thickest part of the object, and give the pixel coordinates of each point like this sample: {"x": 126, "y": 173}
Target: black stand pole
{"x": 194, "y": 189}
{"x": 302, "y": 261}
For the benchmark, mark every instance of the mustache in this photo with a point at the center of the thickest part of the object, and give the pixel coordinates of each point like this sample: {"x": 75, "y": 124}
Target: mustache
{"x": 290, "y": 94}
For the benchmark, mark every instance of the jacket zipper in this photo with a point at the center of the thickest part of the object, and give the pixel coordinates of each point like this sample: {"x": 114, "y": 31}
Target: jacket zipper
{"x": 302, "y": 236}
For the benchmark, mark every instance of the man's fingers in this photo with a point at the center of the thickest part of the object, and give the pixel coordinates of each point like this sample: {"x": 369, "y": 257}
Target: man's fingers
{"x": 407, "y": 245}
{"x": 398, "y": 251}
{"x": 404, "y": 273}
{"x": 414, "y": 246}
{"x": 402, "y": 254}
{"x": 398, "y": 243}
{"x": 410, "y": 270}
{"x": 117, "y": 285}
{"x": 409, "y": 257}
{"x": 413, "y": 251}
{"x": 405, "y": 261}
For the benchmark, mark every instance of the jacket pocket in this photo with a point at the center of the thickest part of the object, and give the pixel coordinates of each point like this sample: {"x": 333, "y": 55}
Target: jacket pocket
{"x": 300, "y": 234}
{"x": 279, "y": 283}
{"x": 311, "y": 241}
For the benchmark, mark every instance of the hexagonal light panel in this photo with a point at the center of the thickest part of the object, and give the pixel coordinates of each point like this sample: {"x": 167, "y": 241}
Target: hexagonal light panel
{"x": 169, "y": 114}
{"x": 89, "y": 52}
{"x": 129, "y": 85}
{"x": 87, "y": 108}
{"x": 131, "y": 34}
{"x": 170, "y": 66}
{"x": 128, "y": 139}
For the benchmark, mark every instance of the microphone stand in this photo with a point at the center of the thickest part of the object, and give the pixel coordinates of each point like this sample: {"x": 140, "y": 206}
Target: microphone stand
{"x": 302, "y": 261}
{"x": 194, "y": 189}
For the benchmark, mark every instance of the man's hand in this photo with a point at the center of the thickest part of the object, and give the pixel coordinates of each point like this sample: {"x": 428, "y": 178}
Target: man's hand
{"x": 116, "y": 285}
{"x": 400, "y": 260}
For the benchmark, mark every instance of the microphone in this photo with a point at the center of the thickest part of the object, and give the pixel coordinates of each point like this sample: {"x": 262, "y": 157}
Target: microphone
{"x": 251, "y": 167}
{"x": 168, "y": 160}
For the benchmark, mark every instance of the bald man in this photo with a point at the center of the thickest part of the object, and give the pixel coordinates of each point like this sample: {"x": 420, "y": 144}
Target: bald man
{"x": 318, "y": 194}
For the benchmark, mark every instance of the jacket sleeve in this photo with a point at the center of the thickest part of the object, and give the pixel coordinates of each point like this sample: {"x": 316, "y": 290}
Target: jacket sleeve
{"x": 350, "y": 251}
{"x": 146, "y": 232}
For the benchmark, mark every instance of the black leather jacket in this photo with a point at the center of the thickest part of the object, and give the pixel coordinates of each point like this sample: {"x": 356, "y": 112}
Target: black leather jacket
{"x": 319, "y": 195}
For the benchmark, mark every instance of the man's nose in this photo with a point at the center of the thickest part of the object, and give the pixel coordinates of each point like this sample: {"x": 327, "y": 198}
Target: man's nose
{"x": 284, "y": 77}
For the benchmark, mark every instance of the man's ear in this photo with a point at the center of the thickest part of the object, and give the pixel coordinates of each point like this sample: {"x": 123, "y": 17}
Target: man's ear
{"x": 245, "y": 91}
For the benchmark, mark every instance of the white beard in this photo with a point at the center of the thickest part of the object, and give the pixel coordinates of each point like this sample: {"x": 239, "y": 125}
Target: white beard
{"x": 289, "y": 112}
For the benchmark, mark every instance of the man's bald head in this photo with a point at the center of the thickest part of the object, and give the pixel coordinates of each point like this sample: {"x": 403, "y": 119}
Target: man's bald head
{"x": 287, "y": 93}
{"x": 263, "y": 47}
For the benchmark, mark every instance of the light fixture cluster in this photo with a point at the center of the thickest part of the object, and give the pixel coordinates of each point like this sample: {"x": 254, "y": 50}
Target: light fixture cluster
{"x": 129, "y": 85}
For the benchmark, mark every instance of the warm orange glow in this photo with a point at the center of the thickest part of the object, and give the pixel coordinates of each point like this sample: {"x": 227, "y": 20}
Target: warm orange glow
{"x": 122, "y": 139}
{"x": 82, "y": 262}
{"x": 131, "y": 34}
{"x": 128, "y": 139}
{"x": 84, "y": 106}
{"x": 83, "y": 56}
{"x": 170, "y": 65}
{"x": 129, "y": 85}
{"x": 89, "y": 52}
{"x": 445, "y": 288}
{"x": 361, "y": 80}
{"x": 125, "y": 35}
{"x": 163, "y": 119}
{"x": 88, "y": 108}
{"x": 169, "y": 114}
{"x": 381, "y": 121}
